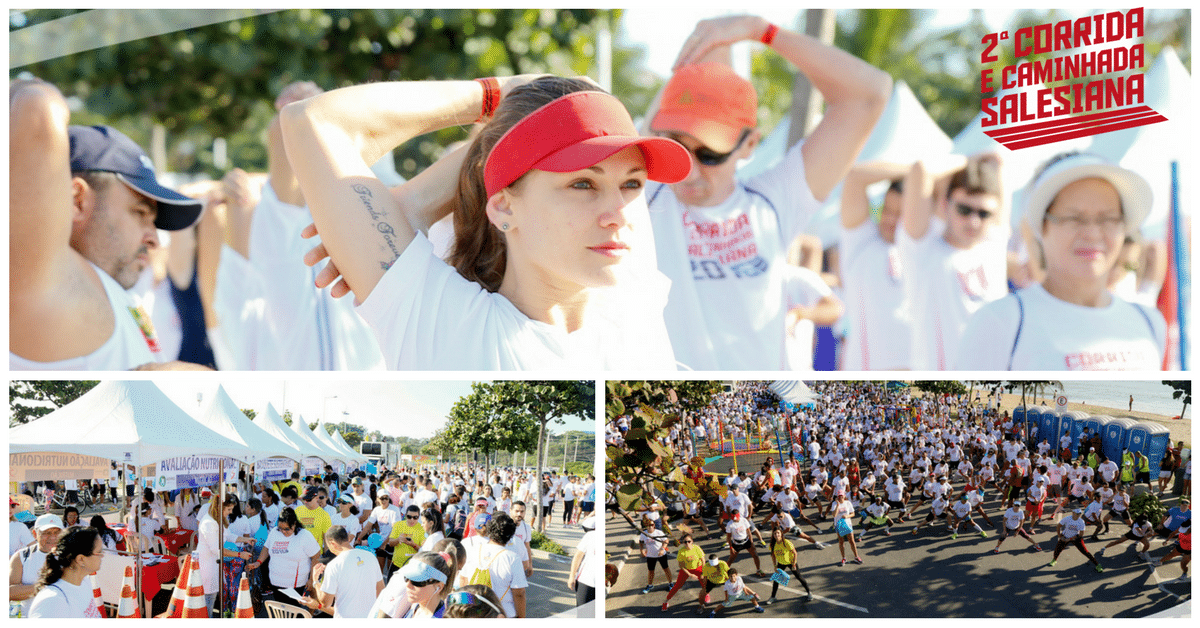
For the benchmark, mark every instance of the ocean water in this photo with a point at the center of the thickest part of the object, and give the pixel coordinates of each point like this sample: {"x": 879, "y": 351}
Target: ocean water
{"x": 1148, "y": 396}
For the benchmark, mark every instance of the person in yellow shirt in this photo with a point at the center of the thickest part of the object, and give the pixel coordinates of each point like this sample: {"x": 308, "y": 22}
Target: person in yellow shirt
{"x": 714, "y": 574}
{"x": 314, "y": 518}
{"x": 690, "y": 558}
{"x": 783, "y": 554}
{"x": 406, "y": 537}
{"x": 294, "y": 481}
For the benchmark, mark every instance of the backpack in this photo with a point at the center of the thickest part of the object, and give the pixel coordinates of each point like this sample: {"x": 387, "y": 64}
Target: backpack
{"x": 483, "y": 574}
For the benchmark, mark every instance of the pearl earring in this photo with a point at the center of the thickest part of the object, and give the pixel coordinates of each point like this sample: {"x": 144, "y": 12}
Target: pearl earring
{"x": 504, "y": 226}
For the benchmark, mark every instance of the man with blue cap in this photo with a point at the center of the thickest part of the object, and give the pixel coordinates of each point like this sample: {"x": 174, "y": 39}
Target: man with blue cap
{"x": 84, "y": 207}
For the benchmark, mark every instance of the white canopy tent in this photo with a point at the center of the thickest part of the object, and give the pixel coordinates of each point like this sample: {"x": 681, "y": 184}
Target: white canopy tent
{"x": 358, "y": 457}
{"x": 222, "y": 415}
{"x": 271, "y": 423}
{"x": 333, "y": 439}
{"x": 300, "y": 429}
{"x": 796, "y": 393}
{"x": 131, "y": 422}
{"x": 321, "y": 433}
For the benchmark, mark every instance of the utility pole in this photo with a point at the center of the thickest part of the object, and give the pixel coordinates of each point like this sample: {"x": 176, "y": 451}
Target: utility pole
{"x": 806, "y": 100}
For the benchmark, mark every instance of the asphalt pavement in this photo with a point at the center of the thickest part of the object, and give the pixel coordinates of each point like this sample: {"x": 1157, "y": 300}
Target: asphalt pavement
{"x": 928, "y": 575}
{"x": 548, "y": 595}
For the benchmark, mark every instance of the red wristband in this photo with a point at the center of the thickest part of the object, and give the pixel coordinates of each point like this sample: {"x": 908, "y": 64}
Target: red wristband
{"x": 769, "y": 36}
{"x": 491, "y": 97}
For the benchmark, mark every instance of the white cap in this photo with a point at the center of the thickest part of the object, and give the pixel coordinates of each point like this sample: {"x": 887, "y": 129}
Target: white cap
{"x": 1134, "y": 191}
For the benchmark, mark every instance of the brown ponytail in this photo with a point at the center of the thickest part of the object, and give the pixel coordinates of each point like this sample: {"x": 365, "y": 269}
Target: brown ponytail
{"x": 479, "y": 251}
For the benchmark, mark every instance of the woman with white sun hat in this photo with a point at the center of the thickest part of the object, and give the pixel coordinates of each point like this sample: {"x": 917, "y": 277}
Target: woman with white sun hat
{"x": 1081, "y": 208}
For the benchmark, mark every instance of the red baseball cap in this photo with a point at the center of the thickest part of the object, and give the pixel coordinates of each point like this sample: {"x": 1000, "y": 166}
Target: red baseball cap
{"x": 574, "y": 132}
{"x": 710, "y": 102}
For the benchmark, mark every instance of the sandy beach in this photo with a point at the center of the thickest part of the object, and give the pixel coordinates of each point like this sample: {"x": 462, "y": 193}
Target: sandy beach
{"x": 1181, "y": 430}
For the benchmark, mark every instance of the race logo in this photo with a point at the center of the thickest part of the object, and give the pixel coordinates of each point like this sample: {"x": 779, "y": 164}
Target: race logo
{"x": 1093, "y": 82}
{"x": 146, "y": 327}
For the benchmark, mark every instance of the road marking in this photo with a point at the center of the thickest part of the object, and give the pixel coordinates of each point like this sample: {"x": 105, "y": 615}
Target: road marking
{"x": 534, "y": 584}
{"x": 825, "y": 599}
{"x": 624, "y": 615}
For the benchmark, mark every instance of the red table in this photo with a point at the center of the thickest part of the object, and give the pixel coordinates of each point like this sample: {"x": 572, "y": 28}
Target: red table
{"x": 154, "y": 576}
{"x": 175, "y": 539}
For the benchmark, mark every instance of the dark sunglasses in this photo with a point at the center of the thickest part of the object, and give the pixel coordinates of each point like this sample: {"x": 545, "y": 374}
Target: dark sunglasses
{"x": 966, "y": 210}
{"x": 410, "y": 518}
{"x": 420, "y": 583}
{"x": 709, "y": 157}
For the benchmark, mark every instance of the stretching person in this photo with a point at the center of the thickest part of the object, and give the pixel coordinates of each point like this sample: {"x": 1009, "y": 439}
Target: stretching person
{"x": 877, "y": 515}
{"x": 1014, "y": 519}
{"x": 1070, "y": 532}
{"x": 690, "y": 560}
{"x": 961, "y": 513}
{"x": 783, "y": 554}
{"x": 1080, "y": 208}
{"x": 843, "y": 513}
{"x": 1140, "y": 532}
{"x": 736, "y": 589}
{"x": 543, "y": 220}
{"x": 654, "y": 548}
{"x": 1118, "y": 508}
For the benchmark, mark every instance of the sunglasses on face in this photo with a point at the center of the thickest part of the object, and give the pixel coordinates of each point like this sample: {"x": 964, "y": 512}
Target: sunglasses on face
{"x": 709, "y": 157}
{"x": 966, "y": 210}
{"x": 410, "y": 518}
{"x": 420, "y": 583}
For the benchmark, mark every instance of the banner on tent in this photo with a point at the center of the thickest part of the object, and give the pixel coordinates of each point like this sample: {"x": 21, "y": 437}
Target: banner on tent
{"x": 311, "y": 466}
{"x": 272, "y": 469}
{"x": 41, "y": 466}
{"x": 192, "y": 472}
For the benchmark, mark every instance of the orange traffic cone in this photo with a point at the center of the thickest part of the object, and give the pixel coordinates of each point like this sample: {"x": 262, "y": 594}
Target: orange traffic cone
{"x": 194, "y": 606}
{"x": 128, "y": 607}
{"x": 179, "y": 595}
{"x": 245, "y": 609}
{"x": 96, "y": 594}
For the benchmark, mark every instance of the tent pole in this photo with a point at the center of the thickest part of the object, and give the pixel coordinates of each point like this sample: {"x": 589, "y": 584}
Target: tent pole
{"x": 221, "y": 539}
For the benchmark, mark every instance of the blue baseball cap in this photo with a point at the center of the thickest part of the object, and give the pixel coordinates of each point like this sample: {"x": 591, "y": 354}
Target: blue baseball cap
{"x": 105, "y": 149}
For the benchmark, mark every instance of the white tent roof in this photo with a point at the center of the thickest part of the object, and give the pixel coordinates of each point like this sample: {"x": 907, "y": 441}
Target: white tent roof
{"x": 1148, "y": 150}
{"x": 346, "y": 446}
{"x": 793, "y": 392}
{"x": 223, "y": 416}
{"x": 129, "y": 421}
{"x": 320, "y": 450}
{"x": 270, "y": 421}
{"x": 322, "y": 434}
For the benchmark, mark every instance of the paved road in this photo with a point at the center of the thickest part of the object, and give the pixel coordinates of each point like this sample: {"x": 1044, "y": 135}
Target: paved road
{"x": 929, "y": 575}
{"x": 548, "y": 594}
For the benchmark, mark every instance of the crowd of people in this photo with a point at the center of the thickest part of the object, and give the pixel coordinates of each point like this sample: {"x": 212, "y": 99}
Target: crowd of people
{"x": 866, "y": 460}
{"x": 115, "y": 271}
{"x": 440, "y": 540}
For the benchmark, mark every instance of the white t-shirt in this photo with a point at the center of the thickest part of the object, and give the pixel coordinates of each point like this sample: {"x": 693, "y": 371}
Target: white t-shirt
{"x": 291, "y": 557}
{"x": 426, "y": 316}
{"x": 351, "y": 577}
{"x": 944, "y": 286}
{"x": 1071, "y": 527}
{"x": 30, "y": 570}
{"x": 131, "y": 344}
{"x": 725, "y": 310}
{"x": 350, "y": 522}
{"x": 738, "y": 530}
{"x": 18, "y": 536}
{"x": 879, "y": 328}
{"x": 523, "y": 535}
{"x": 844, "y": 510}
{"x": 1060, "y": 336}
{"x": 506, "y": 572}
{"x": 385, "y": 518}
{"x": 655, "y": 542}
{"x": 63, "y": 599}
{"x": 362, "y": 501}
{"x": 321, "y": 333}
{"x": 590, "y": 547}
{"x": 801, "y": 288}
{"x": 1013, "y": 518}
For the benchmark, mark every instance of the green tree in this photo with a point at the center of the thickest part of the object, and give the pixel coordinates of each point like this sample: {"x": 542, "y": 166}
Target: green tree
{"x": 220, "y": 80}
{"x": 543, "y": 402}
{"x": 250, "y": 414}
{"x": 1182, "y": 390}
{"x": 941, "y": 387}
{"x": 55, "y": 393}
{"x": 479, "y": 422}
{"x": 654, "y": 407}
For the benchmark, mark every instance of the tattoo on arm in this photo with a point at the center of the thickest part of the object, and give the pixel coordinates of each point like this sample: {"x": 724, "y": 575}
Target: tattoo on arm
{"x": 378, "y": 218}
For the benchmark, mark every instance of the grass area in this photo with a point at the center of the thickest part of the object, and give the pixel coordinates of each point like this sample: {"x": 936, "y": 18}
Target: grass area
{"x": 545, "y": 543}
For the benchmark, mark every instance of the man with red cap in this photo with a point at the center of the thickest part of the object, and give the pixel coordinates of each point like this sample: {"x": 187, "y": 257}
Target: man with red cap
{"x": 723, "y": 241}
{"x": 84, "y": 208}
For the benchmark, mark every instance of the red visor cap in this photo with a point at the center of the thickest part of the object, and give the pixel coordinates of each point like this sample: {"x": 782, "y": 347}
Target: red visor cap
{"x": 575, "y": 132}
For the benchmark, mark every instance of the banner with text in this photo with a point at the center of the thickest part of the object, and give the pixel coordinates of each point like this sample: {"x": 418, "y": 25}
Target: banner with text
{"x": 271, "y": 469}
{"x": 192, "y": 472}
{"x": 41, "y": 466}
{"x": 311, "y": 466}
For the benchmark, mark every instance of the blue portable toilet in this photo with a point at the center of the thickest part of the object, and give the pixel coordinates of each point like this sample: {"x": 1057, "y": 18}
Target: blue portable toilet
{"x": 1071, "y": 423}
{"x": 1091, "y": 422}
{"x": 1116, "y": 435}
{"x": 1019, "y": 417}
{"x": 1103, "y": 421}
{"x": 1158, "y": 439}
{"x": 1047, "y": 426}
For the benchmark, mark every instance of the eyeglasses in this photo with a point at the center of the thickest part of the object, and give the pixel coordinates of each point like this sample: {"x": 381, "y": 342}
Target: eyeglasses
{"x": 709, "y": 157}
{"x": 1078, "y": 223}
{"x": 420, "y": 583}
{"x": 966, "y": 210}
{"x": 410, "y": 518}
